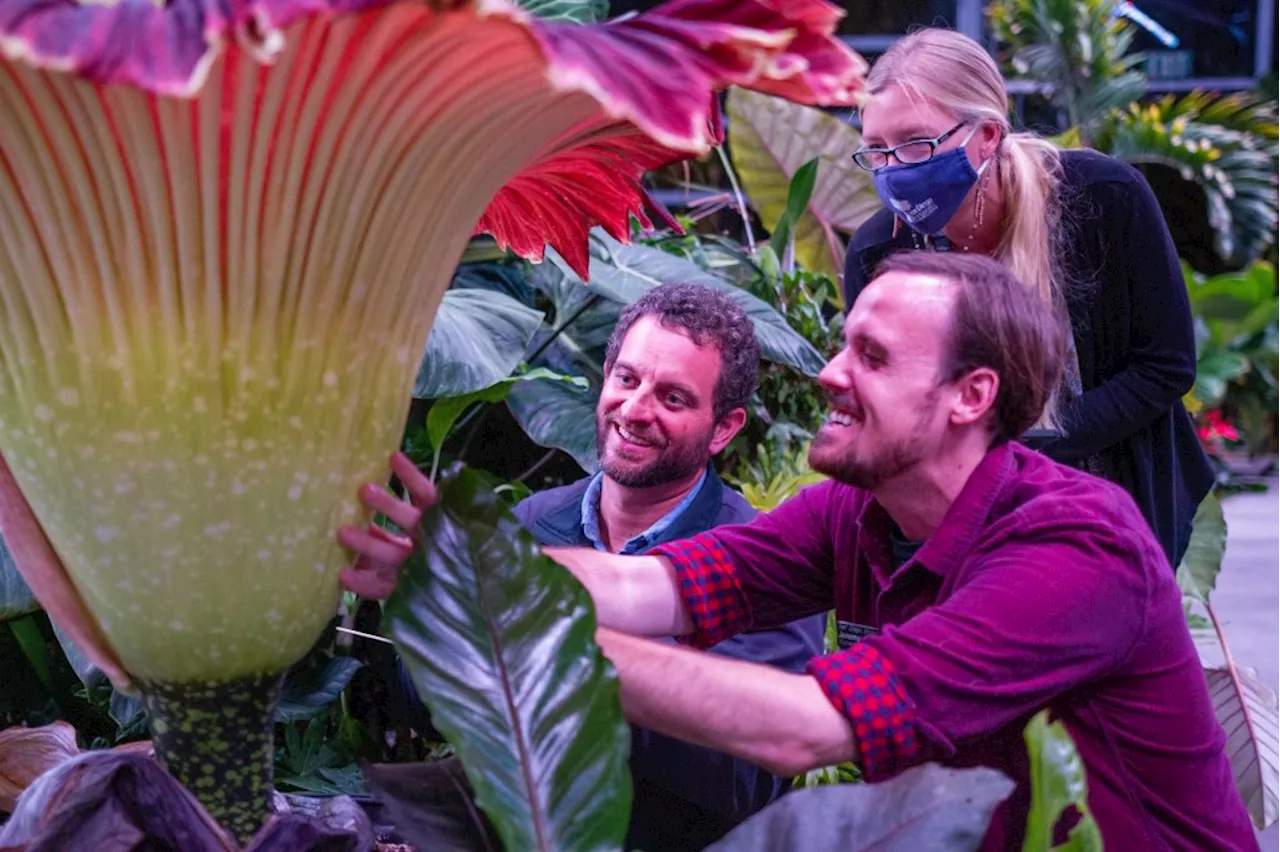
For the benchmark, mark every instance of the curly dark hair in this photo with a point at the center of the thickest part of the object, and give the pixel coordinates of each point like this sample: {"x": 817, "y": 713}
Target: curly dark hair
{"x": 706, "y": 316}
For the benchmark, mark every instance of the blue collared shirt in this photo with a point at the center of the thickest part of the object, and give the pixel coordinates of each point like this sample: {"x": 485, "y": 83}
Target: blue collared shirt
{"x": 638, "y": 543}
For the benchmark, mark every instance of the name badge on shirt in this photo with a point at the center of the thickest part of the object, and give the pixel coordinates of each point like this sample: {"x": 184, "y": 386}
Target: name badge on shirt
{"x": 849, "y": 634}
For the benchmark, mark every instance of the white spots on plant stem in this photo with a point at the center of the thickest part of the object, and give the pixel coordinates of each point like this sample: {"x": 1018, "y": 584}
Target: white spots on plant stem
{"x": 320, "y": 567}
{"x": 295, "y": 493}
{"x": 171, "y": 521}
{"x": 263, "y": 554}
{"x": 43, "y": 413}
{"x": 127, "y": 438}
{"x": 199, "y": 406}
{"x": 330, "y": 379}
{"x": 125, "y": 484}
{"x": 296, "y": 422}
{"x": 69, "y": 397}
{"x": 105, "y": 534}
{"x": 177, "y": 625}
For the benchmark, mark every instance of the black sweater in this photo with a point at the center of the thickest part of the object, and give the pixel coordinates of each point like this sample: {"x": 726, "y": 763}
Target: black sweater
{"x": 1131, "y": 320}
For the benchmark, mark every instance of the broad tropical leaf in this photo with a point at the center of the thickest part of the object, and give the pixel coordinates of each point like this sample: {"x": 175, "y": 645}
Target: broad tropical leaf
{"x": 1057, "y": 782}
{"x": 432, "y": 805}
{"x": 558, "y": 415}
{"x": 928, "y": 808}
{"x": 500, "y": 643}
{"x": 15, "y": 598}
{"x": 307, "y": 693}
{"x": 478, "y": 338}
{"x": 1198, "y": 572}
{"x": 577, "y": 11}
{"x": 1248, "y": 712}
{"x": 770, "y": 139}
{"x": 624, "y": 273}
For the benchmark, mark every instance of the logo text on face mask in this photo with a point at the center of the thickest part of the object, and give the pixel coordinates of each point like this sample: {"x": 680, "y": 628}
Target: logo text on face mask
{"x": 920, "y": 212}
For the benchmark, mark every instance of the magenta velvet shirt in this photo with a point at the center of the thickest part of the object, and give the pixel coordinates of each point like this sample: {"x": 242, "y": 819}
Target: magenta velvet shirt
{"x": 1042, "y": 587}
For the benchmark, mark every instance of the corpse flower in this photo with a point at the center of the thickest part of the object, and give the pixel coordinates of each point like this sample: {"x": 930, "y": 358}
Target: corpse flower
{"x": 225, "y": 227}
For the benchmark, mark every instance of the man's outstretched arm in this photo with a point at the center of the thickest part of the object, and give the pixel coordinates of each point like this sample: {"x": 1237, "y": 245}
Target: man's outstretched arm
{"x": 781, "y": 721}
{"x": 635, "y": 594}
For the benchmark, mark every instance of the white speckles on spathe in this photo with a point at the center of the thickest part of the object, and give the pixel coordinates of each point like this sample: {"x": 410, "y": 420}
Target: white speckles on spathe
{"x": 295, "y": 493}
{"x": 330, "y": 379}
{"x": 105, "y": 534}
{"x": 177, "y": 625}
{"x": 127, "y": 438}
{"x": 199, "y": 406}
{"x": 263, "y": 554}
{"x": 70, "y": 397}
{"x": 319, "y": 567}
{"x": 125, "y": 484}
{"x": 218, "y": 530}
{"x": 295, "y": 422}
{"x": 43, "y": 413}
{"x": 171, "y": 521}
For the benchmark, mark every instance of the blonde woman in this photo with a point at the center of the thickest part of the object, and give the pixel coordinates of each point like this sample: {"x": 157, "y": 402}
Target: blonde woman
{"x": 1081, "y": 229}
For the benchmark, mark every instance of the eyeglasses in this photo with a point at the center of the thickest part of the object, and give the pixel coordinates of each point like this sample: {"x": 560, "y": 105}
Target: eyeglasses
{"x": 911, "y": 151}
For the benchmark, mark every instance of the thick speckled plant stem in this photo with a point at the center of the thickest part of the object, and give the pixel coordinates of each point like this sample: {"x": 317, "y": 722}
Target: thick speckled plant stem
{"x": 216, "y": 739}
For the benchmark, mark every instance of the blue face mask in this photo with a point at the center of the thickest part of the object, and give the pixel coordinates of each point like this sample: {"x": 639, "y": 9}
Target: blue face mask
{"x": 927, "y": 194}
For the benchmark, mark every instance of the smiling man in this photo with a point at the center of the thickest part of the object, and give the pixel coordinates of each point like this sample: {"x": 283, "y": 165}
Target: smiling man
{"x": 976, "y": 582}
{"x": 680, "y": 367}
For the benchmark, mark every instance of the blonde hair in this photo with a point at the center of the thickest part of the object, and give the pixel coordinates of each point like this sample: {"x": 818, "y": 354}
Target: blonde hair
{"x": 955, "y": 73}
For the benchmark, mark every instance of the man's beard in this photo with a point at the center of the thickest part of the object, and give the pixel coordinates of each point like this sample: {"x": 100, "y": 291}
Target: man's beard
{"x": 890, "y": 462}
{"x": 868, "y": 475}
{"x": 674, "y": 461}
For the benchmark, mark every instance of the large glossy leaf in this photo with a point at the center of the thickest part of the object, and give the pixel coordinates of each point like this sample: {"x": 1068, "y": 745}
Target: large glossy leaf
{"x": 578, "y": 11}
{"x": 1248, "y": 712}
{"x": 770, "y": 139}
{"x": 500, "y": 643}
{"x": 626, "y": 272}
{"x": 432, "y": 805}
{"x": 15, "y": 598}
{"x": 1198, "y": 572}
{"x": 928, "y": 808}
{"x": 307, "y": 693}
{"x": 1057, "y": 782}
{"x": 559, "y": 416}
{"x": 478, "y": 337}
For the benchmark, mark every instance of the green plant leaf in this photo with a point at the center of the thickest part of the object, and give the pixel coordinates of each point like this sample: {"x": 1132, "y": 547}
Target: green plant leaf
{"x": 1198, "y": 572}
{"x": 770, "y": 140}
{"x": 15, "y": 598}
{"x": 928, "y": 808}
{"x": 1057, "y": 782}
{"x": 1248, "y": 712}
{"x": 444, "y": 413}
{"x": 500, "y": 643}
{"x": 577, "y": 11}
{"x": 478, "y": 337}
{"x": 625, "y": 273}
{"x": 558, "y": 416}
{"x": 307, "y": 693}
{"x": 799, "y": 191}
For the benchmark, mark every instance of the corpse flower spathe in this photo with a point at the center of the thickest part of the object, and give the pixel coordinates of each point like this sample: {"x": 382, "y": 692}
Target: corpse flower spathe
{"x": 225, "y": 227}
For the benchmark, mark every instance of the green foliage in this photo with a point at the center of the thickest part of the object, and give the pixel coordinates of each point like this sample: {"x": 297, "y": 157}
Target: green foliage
{"x": 1224, "y": 144}
{"x": 499, "y": 640}
{"x": 478, "y": 337}
{"x": 1078, "y": 47}
{"x": 774, "y": 475}
{"x": 1057, "y": 782}
{"x": 1236, "y": 343}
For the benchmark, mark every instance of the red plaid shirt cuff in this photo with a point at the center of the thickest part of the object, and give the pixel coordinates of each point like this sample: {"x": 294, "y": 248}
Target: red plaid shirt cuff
{"x": 710, "y": 587}
{"x": 862, "y": 685}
